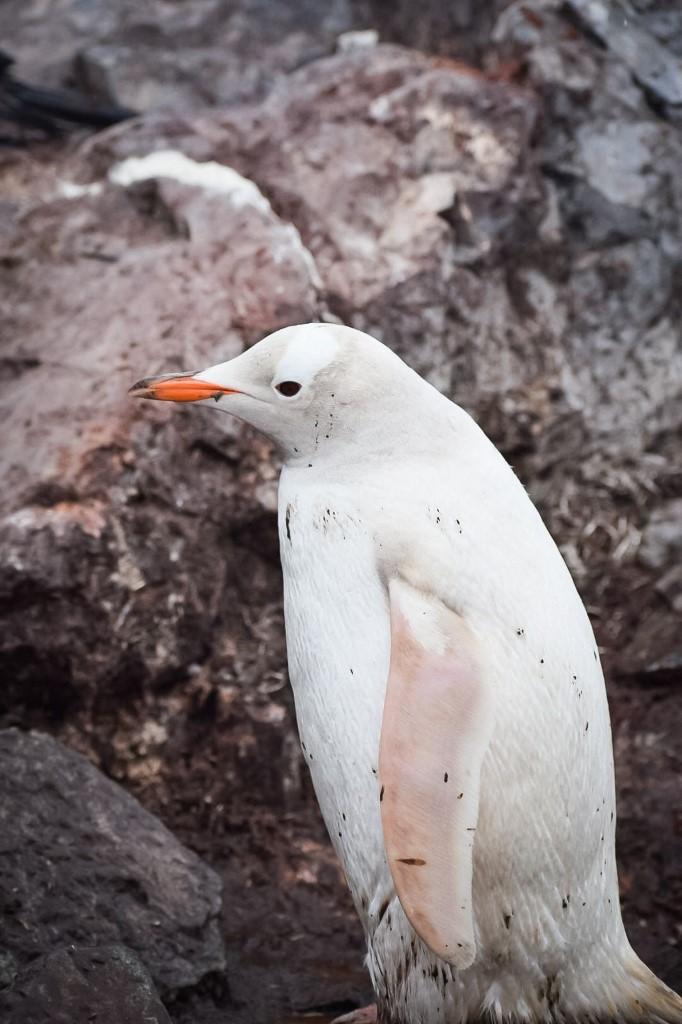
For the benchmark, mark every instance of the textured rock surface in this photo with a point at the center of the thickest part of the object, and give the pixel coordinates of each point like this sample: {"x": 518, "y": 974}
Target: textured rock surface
{"x": 610, "y": 165}
{"x": 171, "y": 56}
{"x": 82, "y": 862}
{"x": 515, "y": 234}
{"x": 83, "y": 985}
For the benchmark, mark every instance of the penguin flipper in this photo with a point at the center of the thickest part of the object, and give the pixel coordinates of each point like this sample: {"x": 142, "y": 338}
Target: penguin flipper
{"x": 435, "y": 731}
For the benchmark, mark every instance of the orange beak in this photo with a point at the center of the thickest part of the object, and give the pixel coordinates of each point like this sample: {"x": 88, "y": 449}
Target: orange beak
{"x": 178, "y": 387}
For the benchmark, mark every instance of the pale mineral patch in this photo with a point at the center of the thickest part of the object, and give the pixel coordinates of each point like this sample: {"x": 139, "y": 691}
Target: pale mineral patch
{"x": 209, "y": 175}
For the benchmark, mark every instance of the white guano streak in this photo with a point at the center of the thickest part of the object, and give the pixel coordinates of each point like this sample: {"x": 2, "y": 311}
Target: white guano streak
{"x": 213, "y": 177}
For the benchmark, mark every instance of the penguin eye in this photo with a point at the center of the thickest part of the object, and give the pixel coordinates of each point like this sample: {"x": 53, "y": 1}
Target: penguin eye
{"x": 288, "y": 388}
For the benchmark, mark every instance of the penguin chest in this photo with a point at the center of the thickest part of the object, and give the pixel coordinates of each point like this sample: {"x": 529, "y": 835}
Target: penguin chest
{"x": 338, "y": 646}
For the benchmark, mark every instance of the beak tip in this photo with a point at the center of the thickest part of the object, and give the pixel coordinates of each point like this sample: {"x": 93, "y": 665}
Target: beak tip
{"x": 139, "y": 390}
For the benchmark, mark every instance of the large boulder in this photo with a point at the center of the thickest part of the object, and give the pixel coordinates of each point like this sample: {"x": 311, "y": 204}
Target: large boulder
{"x": 83, "y": 863}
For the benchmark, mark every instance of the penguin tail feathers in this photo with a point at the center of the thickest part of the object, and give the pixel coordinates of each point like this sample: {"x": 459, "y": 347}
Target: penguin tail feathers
{"x": 650, "y": 1000}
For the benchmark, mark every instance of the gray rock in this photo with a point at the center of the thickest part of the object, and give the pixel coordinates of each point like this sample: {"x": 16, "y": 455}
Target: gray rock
{"x": 613, "y": 165}
{"x": 83, "y": 985}
{"x": 82, "y": 862}
{"x": 8, "y": 969}
{"x": 617, "y": 26}
{"x": 172, "y": 57}
{"x": 664, "y": 22}
{"x": 661, "y": 543}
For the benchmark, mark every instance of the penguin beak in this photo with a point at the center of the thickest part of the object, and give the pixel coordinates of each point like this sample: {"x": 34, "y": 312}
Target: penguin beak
{"x": 179, "y": 387}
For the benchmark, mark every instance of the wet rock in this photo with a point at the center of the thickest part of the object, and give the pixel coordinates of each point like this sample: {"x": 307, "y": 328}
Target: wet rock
{"x": 83, "y": 985}
{"x": 83, "y": 863}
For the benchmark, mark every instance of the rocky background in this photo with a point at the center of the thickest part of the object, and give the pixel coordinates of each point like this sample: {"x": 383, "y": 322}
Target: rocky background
{"x": 493, "y": 189}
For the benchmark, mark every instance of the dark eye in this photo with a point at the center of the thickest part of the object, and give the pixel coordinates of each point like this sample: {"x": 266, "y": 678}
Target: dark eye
{"x": 288, "y": 388}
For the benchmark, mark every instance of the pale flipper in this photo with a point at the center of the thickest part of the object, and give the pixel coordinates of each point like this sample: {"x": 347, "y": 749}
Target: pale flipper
{"x": 435, "y": 731}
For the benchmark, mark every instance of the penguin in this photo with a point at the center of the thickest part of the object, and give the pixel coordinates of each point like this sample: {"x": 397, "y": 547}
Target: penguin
{"x": 448, "y": 689}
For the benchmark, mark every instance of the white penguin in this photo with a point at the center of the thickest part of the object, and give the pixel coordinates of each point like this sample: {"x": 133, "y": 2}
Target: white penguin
{"x": 449, "y": 697}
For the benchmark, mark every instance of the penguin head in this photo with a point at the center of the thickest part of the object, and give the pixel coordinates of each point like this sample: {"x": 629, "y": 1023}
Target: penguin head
{"x": 309, "y": 387}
